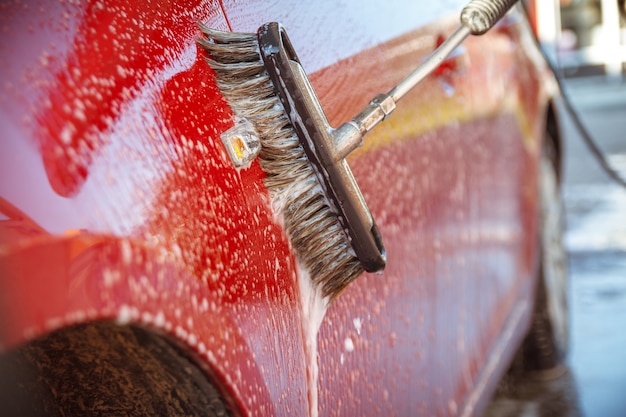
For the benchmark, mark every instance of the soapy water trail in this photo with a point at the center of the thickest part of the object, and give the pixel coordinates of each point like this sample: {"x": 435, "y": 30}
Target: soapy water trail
{"x": 314, "y": 308}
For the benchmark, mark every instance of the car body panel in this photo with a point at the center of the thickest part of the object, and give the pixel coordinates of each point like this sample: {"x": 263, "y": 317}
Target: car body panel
{"x": 119, "y": 201}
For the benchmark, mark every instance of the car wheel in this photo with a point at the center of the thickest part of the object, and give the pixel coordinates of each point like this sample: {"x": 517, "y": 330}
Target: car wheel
{"x": 105, "y": 369}
{"x": 546, "y": 344}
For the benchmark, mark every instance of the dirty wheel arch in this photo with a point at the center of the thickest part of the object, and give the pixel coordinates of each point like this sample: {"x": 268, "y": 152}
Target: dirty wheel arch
{"x": 105, "y": 369}
{"x": 546, "y": 344}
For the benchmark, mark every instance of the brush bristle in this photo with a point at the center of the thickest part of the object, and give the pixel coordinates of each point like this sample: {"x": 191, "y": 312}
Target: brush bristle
{"x": 313, "y": 229}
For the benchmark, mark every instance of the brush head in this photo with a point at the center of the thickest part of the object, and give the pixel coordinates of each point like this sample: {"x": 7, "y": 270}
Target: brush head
{"x": 314, "y": 231}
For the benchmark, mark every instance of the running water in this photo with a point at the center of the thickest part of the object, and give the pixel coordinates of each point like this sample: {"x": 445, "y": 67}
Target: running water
{"x": 312, "y": 302}
{"x": 313, "y": 310}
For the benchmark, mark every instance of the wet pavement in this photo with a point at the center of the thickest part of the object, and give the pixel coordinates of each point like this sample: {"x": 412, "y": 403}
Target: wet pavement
{"x": 593, "y": 382}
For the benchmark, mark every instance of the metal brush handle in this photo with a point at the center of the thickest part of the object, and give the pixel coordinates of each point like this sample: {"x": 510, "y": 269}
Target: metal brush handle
{"x": 326, "y": 148}
{"x": 430, "y": 64}
{"x": 476, "y": 18}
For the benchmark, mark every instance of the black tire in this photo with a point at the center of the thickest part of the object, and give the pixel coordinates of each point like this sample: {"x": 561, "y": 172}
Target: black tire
{"x": 546, "y": 344}
{"x": 104, "y": 369}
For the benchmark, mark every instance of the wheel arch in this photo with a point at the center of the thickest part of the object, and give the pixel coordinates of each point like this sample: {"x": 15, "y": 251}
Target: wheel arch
{"x": 87, "y": 281}
{"x": 554, "y": 135}
{"x": 106, "y": 368}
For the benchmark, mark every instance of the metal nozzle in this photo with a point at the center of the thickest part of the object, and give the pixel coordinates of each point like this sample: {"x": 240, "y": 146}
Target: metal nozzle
{"x": 481, "y": 15}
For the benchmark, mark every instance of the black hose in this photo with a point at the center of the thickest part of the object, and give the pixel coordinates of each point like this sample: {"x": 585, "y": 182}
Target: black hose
{"x": 578, "y": 123}
{"x": 584, "y": 132}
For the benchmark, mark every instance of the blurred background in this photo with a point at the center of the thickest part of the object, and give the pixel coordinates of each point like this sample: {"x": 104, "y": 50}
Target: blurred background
{"x": 584, "y": 37}
{"x": 586, "y": 41}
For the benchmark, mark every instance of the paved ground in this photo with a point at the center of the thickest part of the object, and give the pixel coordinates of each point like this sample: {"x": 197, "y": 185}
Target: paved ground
{"x": 593, "y": 384}
{"x": 596, "y": 239}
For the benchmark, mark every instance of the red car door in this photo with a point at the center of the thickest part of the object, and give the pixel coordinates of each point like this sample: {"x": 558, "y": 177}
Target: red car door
{"x": 119, "y": 202}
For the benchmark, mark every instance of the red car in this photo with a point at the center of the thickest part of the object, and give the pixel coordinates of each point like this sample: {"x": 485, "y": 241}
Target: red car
{"x": 143, "y": 274}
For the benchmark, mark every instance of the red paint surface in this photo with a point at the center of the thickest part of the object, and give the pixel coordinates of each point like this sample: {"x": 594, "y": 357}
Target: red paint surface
{"x": 118, "y": 201}
{"x": 456, "y": 266}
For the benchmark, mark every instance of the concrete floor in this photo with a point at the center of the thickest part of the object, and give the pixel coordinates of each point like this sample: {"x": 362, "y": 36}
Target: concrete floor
{"x": 596, "y": 240}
